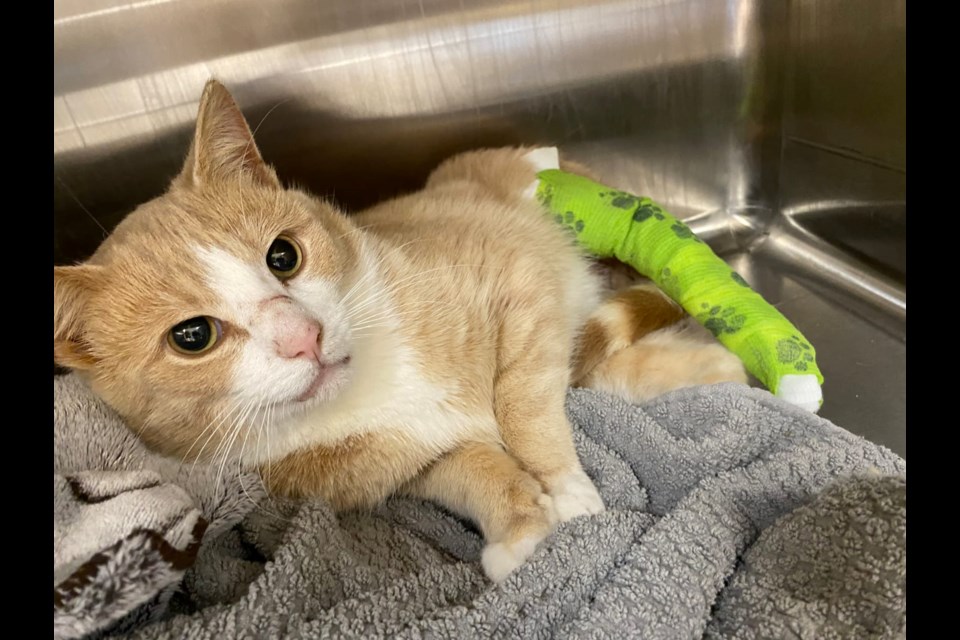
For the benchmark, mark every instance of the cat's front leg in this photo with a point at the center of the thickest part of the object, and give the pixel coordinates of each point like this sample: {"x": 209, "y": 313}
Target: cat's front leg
{"x": 483, "y": 482}
{"x": 359, "y": 472}
{"x": 533, "y": 423}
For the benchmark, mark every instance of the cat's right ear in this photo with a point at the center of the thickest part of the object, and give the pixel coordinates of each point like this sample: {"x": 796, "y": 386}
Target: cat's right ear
{"x": 72, "y": 287}
{"x": 223, "y": 148}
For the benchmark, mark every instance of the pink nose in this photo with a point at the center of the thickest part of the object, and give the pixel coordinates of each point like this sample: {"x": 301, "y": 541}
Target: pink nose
{"x": 302, "y": 341}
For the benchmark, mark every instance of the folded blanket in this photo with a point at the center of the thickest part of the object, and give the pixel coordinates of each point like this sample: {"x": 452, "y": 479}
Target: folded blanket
{"x": 730, "y": 514}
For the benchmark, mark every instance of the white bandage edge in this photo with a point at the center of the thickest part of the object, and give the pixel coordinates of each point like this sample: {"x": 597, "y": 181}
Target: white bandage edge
{"x": 801, "y": 390}
{"x": 542, "y": 159}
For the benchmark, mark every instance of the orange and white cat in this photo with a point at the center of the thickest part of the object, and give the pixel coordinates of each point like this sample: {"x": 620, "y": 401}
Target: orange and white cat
{"x": 423, "y": 346}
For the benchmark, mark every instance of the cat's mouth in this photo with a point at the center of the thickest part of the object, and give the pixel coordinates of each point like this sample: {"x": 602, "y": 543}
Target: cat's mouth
{"x": 327, "y": 372}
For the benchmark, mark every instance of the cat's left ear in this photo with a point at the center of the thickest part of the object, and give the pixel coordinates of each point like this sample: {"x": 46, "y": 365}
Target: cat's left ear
{"x": 72, "y": 287}
{"x": 223, "y": 147}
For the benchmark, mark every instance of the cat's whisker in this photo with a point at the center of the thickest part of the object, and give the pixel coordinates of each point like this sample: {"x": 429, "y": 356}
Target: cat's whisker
{"x": 388, "y": 321}
{"x": 408, "y": 283}
{"x": 375, "y": 270}
{"x": 214, "y": 423}
{"x": 358, "y": 286}
{"x": 264, "y": 119}
{"x": 240, "y": 189}
{"x": 361, "y": 313}
{"x": 405, "y": 303}
{"x": 240, "y": 471}
{"x": 231, "y": 439}
{"x": 369, "y": 330}
{"x": 358, "y": 330}
{"x": 220, "y": 445}
{"x": 243, "y": 445}
{"x": 389, "y": 318}
{"x": 216, "y": 427}
{"x": 249, "y": 416}
{"x": 372, "y": 272}
{"x": 390, "y": 313}
{"x": 356, "y": 230}
{"x": 256, "y": 453}
{"x": 269, "y": 455}
{"x": 83, "y": 208}
{"x": 146, "y": 423}
{"x": 345, "y": 299}
{"x": 228, "y": 416}
{"x": 264, "y": 422}
{"x": 246, "y": 150}
{"x": 223, "y": 443}
{"x": 418, "y": 277}
{"x": 401, "y": 281}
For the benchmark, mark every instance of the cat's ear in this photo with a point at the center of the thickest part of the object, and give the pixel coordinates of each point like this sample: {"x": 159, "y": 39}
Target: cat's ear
{"x": 71, "y": 292}
{"x": 223, "y": 147}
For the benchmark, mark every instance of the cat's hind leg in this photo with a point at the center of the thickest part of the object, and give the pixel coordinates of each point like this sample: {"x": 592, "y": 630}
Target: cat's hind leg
{"x": 640, "y": 344}
{"x": 508, "y": 173}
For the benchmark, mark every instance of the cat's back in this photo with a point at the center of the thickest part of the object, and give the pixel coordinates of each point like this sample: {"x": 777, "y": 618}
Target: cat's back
{"x": 461, "y": 218}
{"x": 463, "y": 239}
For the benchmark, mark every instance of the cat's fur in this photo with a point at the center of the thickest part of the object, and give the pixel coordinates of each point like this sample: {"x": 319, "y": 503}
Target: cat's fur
{"x": 425, "y": 346}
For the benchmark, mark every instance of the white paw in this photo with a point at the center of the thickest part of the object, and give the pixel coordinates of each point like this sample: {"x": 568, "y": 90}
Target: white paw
{"x": 541, "y": 159}
{"x": 500, "y": 559}
{"x": 574, "y": 495}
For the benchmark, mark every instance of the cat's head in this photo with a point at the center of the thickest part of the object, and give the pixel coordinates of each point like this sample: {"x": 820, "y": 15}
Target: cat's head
{"x": 222, "y": 297}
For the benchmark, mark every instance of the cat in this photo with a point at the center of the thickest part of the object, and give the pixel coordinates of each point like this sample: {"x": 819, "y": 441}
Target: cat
{"x": 422, "y": 347}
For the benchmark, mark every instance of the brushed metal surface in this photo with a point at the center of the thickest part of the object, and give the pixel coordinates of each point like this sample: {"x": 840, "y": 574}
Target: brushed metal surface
{"x": 757, "y": 121}
{"x": 843, "y": 179}
{"x": 858, "y": 206}
{"x": 359, "y": 100}
{"x": 848, "y": 68}
{"x": 865, "y": 386}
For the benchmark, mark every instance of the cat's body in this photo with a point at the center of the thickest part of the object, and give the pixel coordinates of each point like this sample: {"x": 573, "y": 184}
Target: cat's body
{"x": 423, "y": 346}
{"x": 465, "y": 291}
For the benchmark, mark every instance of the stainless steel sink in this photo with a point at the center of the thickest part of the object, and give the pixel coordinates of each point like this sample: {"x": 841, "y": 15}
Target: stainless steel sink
{"x": 775, "y": 127}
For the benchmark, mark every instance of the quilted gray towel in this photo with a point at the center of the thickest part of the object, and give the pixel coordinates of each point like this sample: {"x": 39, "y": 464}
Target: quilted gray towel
{"x": 730, "y": 515}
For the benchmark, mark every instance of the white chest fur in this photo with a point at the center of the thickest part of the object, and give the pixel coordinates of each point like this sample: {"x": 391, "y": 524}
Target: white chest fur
{"x": 387, "y": 393}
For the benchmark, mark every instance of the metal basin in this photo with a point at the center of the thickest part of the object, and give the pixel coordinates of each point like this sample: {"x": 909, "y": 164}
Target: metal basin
{"x": 775, "y": 127}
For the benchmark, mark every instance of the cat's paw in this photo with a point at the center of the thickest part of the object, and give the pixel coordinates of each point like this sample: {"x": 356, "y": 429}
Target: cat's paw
{"x": 574, "y": 495}
{"x": 500, "y": 559}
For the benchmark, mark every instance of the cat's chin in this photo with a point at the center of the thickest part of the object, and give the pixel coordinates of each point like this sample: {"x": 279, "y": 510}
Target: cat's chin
{"x": 327, "y": 385}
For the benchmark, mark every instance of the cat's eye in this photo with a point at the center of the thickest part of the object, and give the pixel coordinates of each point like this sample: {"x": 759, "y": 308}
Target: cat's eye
{"x": 284, "y": 257}
{"x": 194, "y": 336}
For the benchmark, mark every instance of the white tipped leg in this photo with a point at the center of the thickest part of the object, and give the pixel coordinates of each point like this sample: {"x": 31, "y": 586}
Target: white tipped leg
{"x": 801, "y": 390}
{"x": 574, "y": 495}
{"x": 541, "y": 159}
{"x": 501, "y": 559}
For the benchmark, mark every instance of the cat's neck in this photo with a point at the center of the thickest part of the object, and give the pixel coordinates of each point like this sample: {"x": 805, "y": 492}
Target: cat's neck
{"x": 386, "y": 375}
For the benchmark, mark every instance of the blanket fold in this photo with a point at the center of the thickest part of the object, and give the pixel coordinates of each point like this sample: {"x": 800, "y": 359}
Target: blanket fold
{"x": 729, "y": 514}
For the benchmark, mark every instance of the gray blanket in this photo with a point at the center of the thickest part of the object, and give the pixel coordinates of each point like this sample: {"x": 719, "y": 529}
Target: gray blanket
{"x": 730, "y": 515}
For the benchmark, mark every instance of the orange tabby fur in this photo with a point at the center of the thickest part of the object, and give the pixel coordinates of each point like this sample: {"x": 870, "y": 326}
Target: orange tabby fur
{"x": 449, "y": 321}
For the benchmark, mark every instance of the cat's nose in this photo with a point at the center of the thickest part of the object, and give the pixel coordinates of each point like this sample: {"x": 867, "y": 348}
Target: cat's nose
{"x": 301, "y": 341}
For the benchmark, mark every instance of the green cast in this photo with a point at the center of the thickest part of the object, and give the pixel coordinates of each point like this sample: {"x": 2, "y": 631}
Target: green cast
{"x": 638, "y": 232}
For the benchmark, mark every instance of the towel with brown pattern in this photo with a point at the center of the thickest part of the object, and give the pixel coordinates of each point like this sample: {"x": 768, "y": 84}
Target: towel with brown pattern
{"x": 126, "y": 524}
